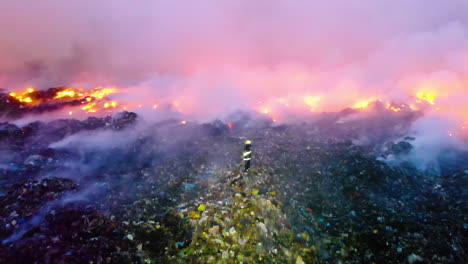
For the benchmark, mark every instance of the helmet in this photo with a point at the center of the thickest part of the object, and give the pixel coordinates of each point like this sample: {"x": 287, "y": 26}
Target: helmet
{"x": 248, "y": 142}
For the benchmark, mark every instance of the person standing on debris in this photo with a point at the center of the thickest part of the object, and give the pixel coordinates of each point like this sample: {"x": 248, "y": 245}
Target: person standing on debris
{"x": 247, "y": 155}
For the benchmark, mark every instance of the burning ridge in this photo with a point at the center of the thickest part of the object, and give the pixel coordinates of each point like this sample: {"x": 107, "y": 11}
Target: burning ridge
{"x": 17, "y": 104}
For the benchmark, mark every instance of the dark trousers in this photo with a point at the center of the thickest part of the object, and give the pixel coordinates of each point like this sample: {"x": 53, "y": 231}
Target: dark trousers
{"x": 247, "y": 165}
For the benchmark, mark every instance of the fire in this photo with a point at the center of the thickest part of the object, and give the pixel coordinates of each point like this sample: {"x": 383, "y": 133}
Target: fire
{"x": 68, "y": 93}
{"x": 311, "y": 101}
{"x": 99, "y": 100}
{"x": 100, "y": 93}
{"x": 230, "y": 125}
{"x": 183, "y": 122}
{"x": 24, "y": 97}
{"x": 427, "y": 96}
{"x": 89, "y": 107}
{"x": 362, "y": 105}
{"x": 393, "y": 108}
{"x": 92, "y": 100}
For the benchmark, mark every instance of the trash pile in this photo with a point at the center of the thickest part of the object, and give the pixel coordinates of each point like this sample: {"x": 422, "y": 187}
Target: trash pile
{"x": 26, "y": 150}
{"x": 174, "y": 192}
{"x": 37, "y": 226}
{"x": 244, "y": 225}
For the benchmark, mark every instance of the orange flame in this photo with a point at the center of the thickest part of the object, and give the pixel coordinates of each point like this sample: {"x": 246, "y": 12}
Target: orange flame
{"x": 94, "y": 100}
{"x": 393, "y": 108}
{"x": 24, "y": 97}
{"x": 67, "y": 93}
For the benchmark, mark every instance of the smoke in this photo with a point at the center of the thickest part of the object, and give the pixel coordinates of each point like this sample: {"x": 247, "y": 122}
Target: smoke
{"x": 432, "y": 144}
{"x": 206, "y": 59}
{"x": 222, "y": 55}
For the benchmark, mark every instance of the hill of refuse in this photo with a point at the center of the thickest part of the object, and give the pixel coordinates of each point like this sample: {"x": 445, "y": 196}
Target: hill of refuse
{"x": 119, "y": 190}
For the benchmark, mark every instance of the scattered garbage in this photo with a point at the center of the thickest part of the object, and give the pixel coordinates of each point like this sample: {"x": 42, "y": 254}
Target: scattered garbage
{"x": 178, "y": 194}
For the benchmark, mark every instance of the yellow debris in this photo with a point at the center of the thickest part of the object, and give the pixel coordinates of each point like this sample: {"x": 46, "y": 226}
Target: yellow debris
{"x": 299, "y": 260}
{"x": 201, "y": 207}
{"x": 194, "y": 215}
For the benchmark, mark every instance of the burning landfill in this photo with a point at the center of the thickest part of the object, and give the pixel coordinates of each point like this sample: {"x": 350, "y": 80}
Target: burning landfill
{"x": 234, "y": 131}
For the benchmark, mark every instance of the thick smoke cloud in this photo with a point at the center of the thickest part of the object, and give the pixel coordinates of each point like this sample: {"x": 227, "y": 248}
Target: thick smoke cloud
{"x": 214, "y": 56}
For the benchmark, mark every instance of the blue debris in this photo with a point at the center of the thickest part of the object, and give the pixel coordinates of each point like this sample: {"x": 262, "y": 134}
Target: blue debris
{"x": 190, "y": 186}
{"x": 14, "y": 168}
{"x": 180, "y": 243}
{"x": 303, "y": 211}
{"x": 310, "y": 229}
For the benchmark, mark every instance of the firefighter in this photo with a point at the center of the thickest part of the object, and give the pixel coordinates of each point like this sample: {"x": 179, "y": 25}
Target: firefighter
{"x": 247, "y": 155}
